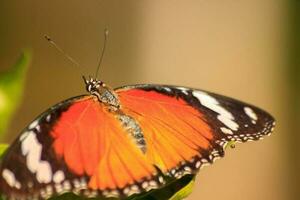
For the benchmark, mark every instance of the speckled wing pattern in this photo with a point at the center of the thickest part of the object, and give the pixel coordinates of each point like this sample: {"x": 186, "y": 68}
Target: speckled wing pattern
{"x": 80, "y": 146}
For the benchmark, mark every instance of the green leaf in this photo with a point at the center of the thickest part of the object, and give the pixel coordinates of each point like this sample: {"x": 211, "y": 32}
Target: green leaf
{"x": 3, "y": 147}
{"x": 186, "y": 190}
{"x": 11, "y": 89}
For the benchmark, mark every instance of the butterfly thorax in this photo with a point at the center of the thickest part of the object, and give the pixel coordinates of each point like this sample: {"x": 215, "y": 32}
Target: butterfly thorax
{"x": 107, "y": 96}
{"x": 104, "y": 93}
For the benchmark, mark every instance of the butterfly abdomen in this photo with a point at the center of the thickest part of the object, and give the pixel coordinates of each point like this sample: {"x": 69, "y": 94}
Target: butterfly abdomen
{"x": 134, "y": 129}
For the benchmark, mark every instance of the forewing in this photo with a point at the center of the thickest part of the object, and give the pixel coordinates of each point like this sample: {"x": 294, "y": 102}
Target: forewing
{"x": 186, "y": 128}
{"x": 77, "y": 146}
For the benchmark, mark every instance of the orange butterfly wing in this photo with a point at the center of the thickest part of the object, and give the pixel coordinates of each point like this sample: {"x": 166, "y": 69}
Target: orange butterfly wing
{"x": 92, "y": 142}
{"x": 187, "y": 128}
{"x": 176, "y": 133}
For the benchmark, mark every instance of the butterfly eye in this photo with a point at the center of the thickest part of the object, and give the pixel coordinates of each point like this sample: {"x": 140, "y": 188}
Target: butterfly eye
{"x": 89, "y": 87}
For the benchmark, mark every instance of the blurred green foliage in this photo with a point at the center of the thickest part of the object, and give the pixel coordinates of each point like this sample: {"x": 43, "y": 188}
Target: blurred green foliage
{"x": 11, "y": 90}
{"x": 3, "y": 147}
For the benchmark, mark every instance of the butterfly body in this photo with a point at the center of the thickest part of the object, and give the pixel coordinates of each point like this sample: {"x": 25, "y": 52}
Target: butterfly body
{"x": 115, "y": 143}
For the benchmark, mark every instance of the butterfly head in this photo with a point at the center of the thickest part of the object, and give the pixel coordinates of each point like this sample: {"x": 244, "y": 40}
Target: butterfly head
{"x": 102, "y": 92}
{"x": 93, "y": 85}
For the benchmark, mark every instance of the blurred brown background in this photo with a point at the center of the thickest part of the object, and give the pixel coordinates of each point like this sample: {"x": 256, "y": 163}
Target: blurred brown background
{"x": 247, "y": 49}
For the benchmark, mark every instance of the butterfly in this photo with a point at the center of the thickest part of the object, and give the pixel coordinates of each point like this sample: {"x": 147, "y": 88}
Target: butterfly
{"x": 116, "y": 143}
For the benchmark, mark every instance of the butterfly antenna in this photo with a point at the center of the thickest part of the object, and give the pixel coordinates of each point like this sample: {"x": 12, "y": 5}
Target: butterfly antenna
{"x": 61, "y": 51}
{"x": 106, "y": 32}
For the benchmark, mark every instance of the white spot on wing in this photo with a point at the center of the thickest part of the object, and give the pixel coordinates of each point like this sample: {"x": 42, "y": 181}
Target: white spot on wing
{"x": 251, "y": 114}
{"x": 161, "y": 179}
{"x": 24, "y": 135}
{"x": 10, "y": 178}
{"x": 38, "y": 128}
{"x": 183, "y": 90}
{"x": 226, "y": 130}
{"x": 167, "y": 89}
{"x": 18, "y": 185}
{"x": 67, "y": 185}
{"x": 83, "y": 183}
{"x": 58, "y": 188}
{"x": 229, "y": 122}
{"x": 76, "y": 183}
{"x": 58, "y": 177}
{"x": 32, "y": 149}
{"x": 224, "y": 116}
{"x": 198, "y": 164}
{"x": 49, "y": 190}
{"x": 44, "y": 172}
{"x": 145, "y": 185}
{"x": 33, "y": 124}
{"x": 48, "y": 118}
